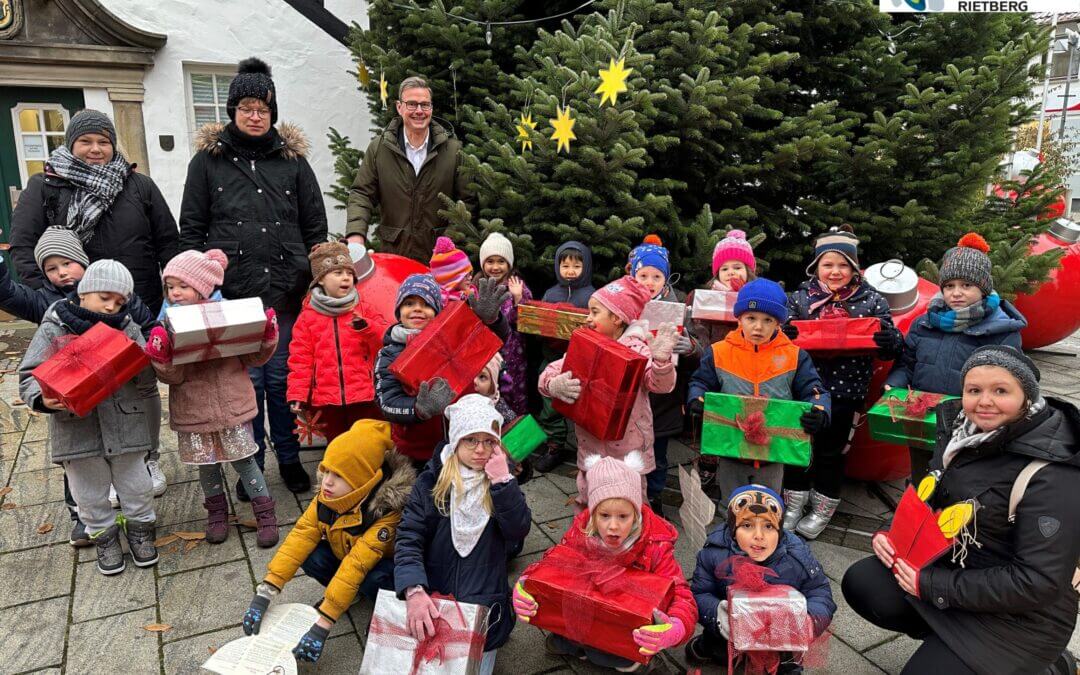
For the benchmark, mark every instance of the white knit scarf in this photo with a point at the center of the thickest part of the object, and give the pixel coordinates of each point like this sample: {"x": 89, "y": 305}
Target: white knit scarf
{"x": 468, "y": 517}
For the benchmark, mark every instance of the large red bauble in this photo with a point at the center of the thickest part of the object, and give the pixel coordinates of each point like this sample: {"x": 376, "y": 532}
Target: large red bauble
{"x": 872, "y": 460}
{"x": 1053, "y": 310}
{"x": 379, "y": 291}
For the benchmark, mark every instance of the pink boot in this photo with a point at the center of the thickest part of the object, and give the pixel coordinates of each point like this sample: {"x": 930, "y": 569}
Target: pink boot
{"x": 265, "y": 521}
{"x": 217, "y": 519}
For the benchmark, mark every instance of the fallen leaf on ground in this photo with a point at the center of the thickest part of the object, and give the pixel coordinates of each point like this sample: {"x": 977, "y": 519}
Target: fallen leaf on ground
{"x": 9, "y": 506}
{"x": 249, "y": 523}
{"x": 45, "y": 528}
{"x": 166, "y": 540}
{"x": 171, "y": 549}
{"x": 17, "y": 401}
{"x": 191, "y": 536}
{"x": 4, "y": 490}
{"x": 190, "y": 545}
{"x": 211, "y": 649}
{"x": 570, "y": 500}
{"x": 157, "y": 627}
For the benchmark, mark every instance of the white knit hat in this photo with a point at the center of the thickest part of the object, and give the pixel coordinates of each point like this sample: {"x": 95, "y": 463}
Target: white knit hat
{"x": 497, "y": 244}
{"x": 472, "y": 414}
{"x": 107, "y": 276}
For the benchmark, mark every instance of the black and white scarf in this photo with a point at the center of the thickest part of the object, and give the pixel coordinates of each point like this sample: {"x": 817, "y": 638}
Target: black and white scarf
{"x": 96, "y": 187}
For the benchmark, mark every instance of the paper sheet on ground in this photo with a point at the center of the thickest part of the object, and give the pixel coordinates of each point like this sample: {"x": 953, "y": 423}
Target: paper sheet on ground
{"x": 269, "y": 652}
{"x": 697, "y": 510}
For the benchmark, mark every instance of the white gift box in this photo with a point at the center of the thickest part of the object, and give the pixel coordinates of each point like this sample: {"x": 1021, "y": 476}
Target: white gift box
{"x": 456, "y": 649}
{"x": 714, "y": 306}
{"x": 773, "y": 620}
{"x": 214, "y": 330}
{"x": 657, "y": 312}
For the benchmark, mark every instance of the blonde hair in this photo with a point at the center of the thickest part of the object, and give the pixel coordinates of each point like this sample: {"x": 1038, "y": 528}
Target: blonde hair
{"x": 590, "y": 529}
{"x": 450, "y": 479}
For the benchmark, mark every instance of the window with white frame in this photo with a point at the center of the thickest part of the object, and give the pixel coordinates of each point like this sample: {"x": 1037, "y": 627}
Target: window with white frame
{"x": 1060, "y": 64}
{"x": 39, "y": 129}
{"x": 207, "y": 93}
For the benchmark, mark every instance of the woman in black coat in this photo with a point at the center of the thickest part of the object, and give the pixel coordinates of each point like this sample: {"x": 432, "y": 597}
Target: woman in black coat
{"x": 1007, "y": 605}
{"x": 90, "y": 188}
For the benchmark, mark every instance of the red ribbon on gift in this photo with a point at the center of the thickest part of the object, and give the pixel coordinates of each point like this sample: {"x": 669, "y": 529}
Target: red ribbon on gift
{"x": 83, "y": 354}
{"x": 307, "y": 427}
{"x": 449, "y": 641}
{"x": 915, "y": 406}
{"x": 754, "y": 428}
{"x": 213, "y": 318}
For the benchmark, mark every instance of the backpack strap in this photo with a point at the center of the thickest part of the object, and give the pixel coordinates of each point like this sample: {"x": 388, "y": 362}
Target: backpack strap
{"x": 1017, "y": 493}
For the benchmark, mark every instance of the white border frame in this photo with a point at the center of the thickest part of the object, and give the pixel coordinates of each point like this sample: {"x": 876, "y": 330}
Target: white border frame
{"x": 17, "y": 132}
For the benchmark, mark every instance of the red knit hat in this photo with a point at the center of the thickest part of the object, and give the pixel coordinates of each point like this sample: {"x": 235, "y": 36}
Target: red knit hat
{"x": 625, "y": 298}
{"x": 202, "y": 271}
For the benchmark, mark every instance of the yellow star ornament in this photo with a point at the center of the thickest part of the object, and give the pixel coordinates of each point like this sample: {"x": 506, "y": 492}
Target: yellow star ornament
{"x": 613, "y": 81}
{"x": 526, "y": 125}
{"x": 383, "y": 93}
{"x": 563, "y": 125}
{"x": 363, "y": 74}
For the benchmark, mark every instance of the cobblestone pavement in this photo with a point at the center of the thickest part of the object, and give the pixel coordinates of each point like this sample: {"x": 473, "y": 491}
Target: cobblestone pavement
{"x": 59, "y": 615}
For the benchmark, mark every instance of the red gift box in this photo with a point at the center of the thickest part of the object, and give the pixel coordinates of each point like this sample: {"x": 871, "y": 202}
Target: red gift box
{"x": 610, "y": 375}
{"x": 455, "y": 346}
{"x": 595, "y": 600}
{"x": 89, "y": 368}
{"x": 838, "y": 336}
{"x": 915, "y": 534}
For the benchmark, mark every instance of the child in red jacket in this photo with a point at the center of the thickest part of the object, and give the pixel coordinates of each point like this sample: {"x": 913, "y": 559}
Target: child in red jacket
{"x": 618, "y": 524}
{"x": 334, "y": 345}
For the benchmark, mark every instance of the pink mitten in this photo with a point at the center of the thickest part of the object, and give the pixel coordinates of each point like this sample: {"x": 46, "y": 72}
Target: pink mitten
{"x": 497, "y": 468}
{"x": 525, "y": 605}
{"x": 666, "y": 633}
{"x": 270, "y": 333}
{"x": 158, "y": 347}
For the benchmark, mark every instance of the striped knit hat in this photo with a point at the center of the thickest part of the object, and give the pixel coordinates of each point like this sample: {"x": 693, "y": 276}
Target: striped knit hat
{"x": 837, "y": 240}
{"x": 62, "y": 242}
{"x": 449, "y": 264}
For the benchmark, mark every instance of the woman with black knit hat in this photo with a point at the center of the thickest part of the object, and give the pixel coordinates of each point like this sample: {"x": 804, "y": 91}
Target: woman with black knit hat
{"x": 251, "y": 193}
{"x": 1005, "y": 601}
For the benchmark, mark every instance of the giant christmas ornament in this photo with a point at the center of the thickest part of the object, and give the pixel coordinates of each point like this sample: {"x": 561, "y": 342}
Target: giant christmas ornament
{"x": 1053, "y": 310}
{"x": 613, "y": 81}
{"x": 379, "y": 291}
{"x": 563, "y": 124}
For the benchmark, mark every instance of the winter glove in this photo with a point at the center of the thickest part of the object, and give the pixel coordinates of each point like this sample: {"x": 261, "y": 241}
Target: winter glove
{"x": 420, "y": 615}
{"x": 790, "y": 330}
{"x": 254, "y": 615}
{"x": 890, "y": 342}
{"x": 661, "y": 344}
{"x": 814, "y": 420}
{"x": 564, "y": 387}
{"x": 683, "y": 345}
{"x": 664, "y": 634}
{"x": 432, "y": 398}
{"x": 489, "y": 299}
{"x": 525, "y": 605}
{"x": 723, "y": 623}
{"x": 696, "y": 407}
{"x": 270, "y": 333}
{"x": 159, "y": 347}
{"x": 310, "y": 646}
{"x": 497, "y": 468}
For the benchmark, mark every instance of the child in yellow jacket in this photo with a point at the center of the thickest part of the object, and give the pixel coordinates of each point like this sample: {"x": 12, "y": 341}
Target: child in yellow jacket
{"x": 345, "y": 537}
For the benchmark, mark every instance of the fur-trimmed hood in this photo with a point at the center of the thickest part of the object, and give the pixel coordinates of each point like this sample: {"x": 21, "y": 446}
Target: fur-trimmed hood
{"x": 292, "y": 142}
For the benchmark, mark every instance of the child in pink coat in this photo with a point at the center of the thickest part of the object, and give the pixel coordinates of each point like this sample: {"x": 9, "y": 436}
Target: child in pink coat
{"x": 614, "y": 312}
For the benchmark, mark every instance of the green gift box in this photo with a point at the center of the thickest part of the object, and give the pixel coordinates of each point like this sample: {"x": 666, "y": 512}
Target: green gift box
{"x": 754, "y": 428}
{"x": 906, "y": 417}
{"x": 523, "y": 436}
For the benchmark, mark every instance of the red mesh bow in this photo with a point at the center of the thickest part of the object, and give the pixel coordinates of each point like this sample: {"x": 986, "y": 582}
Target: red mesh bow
{"x": 453, "y": 639}
{"x": 916, "y": 405}
{"x": 754, "y": 428}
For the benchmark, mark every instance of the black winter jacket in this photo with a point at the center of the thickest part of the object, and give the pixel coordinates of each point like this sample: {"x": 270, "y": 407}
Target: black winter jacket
{"x": 424, "y": 553}
{"x": 138, "y": 230}
{"x": 265, "y": 214}
{"x": 1011, "y": 608}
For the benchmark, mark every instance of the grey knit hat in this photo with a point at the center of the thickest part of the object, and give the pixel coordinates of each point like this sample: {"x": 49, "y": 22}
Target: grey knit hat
{"x": 89, "y": 122}
{"x": 107, "y": 276}
{"x": 1011, "y": 359}
{"x": 968, "y": 261}
{"x": 62, "y": 242}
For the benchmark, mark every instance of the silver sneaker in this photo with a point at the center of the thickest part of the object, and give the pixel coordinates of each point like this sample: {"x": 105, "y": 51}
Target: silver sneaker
{"x": 794, "y": 507}
{"x": 140, "y": 538}
{"x": 822, "y": 509}
{"x": 157, "y": 476}
{"x": 110, "y": 555}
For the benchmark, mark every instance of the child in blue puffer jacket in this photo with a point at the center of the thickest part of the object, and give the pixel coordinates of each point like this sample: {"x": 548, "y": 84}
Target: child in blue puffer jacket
{"x": 753, "y": 530}
{"x": 967, "y": 314}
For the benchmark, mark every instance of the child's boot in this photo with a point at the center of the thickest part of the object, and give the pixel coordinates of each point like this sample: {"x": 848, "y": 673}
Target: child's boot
{"x": 265, "y": 522}
{"x": 822, "y": 509}
{"x": 140, "y": 538}
{"x": 217, "y": 518}
{"x": 794, "y": 507}
{"x": 110, "y": 555}
{"x": 550, "y": 458}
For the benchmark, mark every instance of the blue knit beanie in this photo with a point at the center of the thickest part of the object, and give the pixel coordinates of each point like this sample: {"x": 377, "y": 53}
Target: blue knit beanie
{"x": 762, "y": 295}
{"x": 422, "y": 286}
{"x": 651, "y": 253}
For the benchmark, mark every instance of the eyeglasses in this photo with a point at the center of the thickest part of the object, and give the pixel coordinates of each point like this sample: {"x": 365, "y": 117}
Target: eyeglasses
{"x": 471, "y": 443}
{"x": 254, "y": 112}
{"x": 411, "y": 106}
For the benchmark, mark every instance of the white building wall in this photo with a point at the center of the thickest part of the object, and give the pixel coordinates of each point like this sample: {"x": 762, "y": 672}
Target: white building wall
{"x": 310, "y": 71}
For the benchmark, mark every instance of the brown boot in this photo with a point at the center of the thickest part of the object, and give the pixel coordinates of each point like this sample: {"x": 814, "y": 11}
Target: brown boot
{"x": 217, "y": 519}
{"x": 265, "y": 521}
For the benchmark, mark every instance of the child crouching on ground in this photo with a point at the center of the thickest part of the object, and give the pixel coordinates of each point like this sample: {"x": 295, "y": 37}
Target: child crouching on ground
{"x": 109, "y": 445}
{"x": 614, "y": 312}
{"x": 753, "y": 530}
{"x": 212, "y": 403}
{"x": 619, "y": 525}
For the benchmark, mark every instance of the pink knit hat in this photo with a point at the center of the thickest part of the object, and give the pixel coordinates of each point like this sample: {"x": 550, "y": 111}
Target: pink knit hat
{"x": 733, "y": 247}
{"x": 625, "y": 298}
{"x": 202, "y": 271}
{"x": 449, "y": 264}
{"x": 610, "y": 478}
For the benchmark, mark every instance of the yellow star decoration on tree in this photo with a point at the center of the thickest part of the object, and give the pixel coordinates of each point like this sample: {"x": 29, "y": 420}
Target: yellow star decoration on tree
{"x": 383, "y": 93}
{"x": 564, "y": 128}
{"x": 613, "y": 80}
{"x": 523, "y": 130}
{"x": 363, "y": 74}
